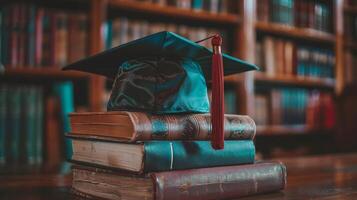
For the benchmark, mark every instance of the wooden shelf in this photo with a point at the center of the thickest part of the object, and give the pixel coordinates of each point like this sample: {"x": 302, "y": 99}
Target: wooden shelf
{"x": 350, "y": 9}
{"x": 286, "y": 130}
{"x": 295, "y": 80}
{"x": 177, "y": 13}
{"x": 294, "y": 32}
{"x": 43, "y": 72}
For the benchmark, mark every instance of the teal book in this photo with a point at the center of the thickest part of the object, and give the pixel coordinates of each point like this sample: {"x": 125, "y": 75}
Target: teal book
{"x": 29, "y": 124}
{"x": 3, "y": 93}
{"x": 160, "y": 155}
{"x": 14, "y": 123}
{"x": 197, "y": 4}
{"x": 64, "y": 91}
{"x": 39, "y": 126}
{"x": 31, "y": 35}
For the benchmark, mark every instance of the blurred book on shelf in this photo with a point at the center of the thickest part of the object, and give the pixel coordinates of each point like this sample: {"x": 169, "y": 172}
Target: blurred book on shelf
{"x": 122, "y": 30}
{"x": 295, "y": 107}
{"x": 299, "y": 13}
{"x": 35, "y": 36}
{"x": 350, "y": 66}
{"x": 285, "y": 57}
{"x": 213, "y": 6}
{"x": 31, "y": 130}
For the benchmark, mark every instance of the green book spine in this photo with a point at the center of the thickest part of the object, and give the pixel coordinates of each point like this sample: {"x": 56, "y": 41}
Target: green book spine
{"x": 39, "y": 126}
{"x": 30, "y": 124}
{"x": 64, "y": 92}
{"x": 31, "y": 35}
{"x": 108, "y": 34}
{"x": 176, "y": 155}
{"x": 197, "y": 4}
{"x": 14, "y": 99}
{"x": 3, "y": 92}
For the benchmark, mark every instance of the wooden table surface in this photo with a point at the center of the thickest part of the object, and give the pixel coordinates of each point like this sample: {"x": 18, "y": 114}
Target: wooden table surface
{"x": 318, "y": 177}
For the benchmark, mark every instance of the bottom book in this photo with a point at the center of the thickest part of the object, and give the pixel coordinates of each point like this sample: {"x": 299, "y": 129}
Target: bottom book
{"x": 205, "y": 183}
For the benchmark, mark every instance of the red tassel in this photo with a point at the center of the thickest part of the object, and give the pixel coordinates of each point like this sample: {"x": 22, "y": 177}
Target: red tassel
{"x": 217, "y": 105}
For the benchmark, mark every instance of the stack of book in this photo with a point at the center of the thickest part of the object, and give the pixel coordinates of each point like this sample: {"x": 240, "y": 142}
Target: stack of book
{"x": 135, "y": 155}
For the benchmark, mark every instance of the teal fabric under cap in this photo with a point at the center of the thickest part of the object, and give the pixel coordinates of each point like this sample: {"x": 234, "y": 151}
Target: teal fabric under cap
{"x": 160, "y": 85}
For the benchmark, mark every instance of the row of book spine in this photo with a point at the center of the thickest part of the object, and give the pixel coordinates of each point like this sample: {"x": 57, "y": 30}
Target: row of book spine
{"x": 301, "y": 13}
{"x": 21, "y": 118}
{"x": 279, "y": 56}
{"x": 31, "y": 123}
{"x": 351, "y": 67}
{"x": 122, "y": 30}
{"x": 36, "y": 36}
{"x": 351, "y": 27}
{"x": 295, "y": 106}
{"x": 213, "y": 6}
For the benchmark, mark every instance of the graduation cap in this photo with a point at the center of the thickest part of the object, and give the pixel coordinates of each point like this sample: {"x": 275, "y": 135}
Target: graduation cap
{"x": 165, "y": 73}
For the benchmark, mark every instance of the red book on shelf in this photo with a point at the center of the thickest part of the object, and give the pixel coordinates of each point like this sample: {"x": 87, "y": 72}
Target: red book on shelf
{"x": 22, "y": 34}
{"x": 14, "y": 35}
{"x": 52, "y": 132}
{"x": 38, "y": 35}
{"x": 311, "y": 14}
{"x": 77, "y": 34}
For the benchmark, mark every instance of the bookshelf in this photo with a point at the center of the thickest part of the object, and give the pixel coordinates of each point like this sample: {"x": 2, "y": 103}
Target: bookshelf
{"x": 243, "y": 28}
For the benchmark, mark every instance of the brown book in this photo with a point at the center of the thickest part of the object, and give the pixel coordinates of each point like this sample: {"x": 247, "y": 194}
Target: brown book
{"x": 60, "y": 39}
{"x": 137, "y": 126}
{"x": 269, "y": 58}
{"x": 276, "y": 107}
{"x": 288, "y": 58}
{"x": 279, "y": 56}
{"x": 53, "y": 132}
{"x": 263, "y": 10}
{"x": 77, "y": 37}
{"x": 205, "y": 183}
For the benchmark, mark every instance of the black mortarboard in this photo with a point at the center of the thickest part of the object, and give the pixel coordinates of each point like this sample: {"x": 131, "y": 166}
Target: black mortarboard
{"x": 164, "y": 73}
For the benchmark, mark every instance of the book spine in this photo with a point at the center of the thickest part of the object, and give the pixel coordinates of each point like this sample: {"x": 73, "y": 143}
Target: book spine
{"x": 176, "y": 155}
{"x": 31, "y": 29}
{"x": 30, "y": 124}
{"x": 14, "y": 99}
{"x": 39, "y": 126}
{"x": 38, "y": 35}
{"x": 221, "y": 182}
{"x": 195, "y": 127}
{"x": 53, "y": 132}
{"x": 3, "y": 116}
{"x": 64, "y": 92}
